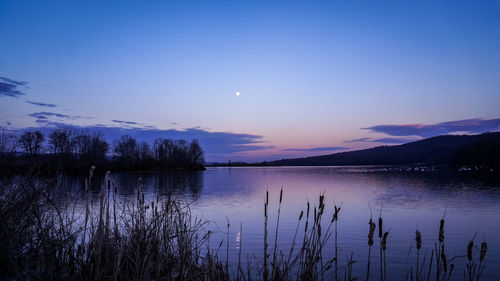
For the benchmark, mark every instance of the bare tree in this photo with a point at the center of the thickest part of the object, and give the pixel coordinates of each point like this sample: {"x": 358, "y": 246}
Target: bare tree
{"x": 8, "y": 144}
{"x": 98, "y": 147}
{"x": 82, "y": 144}
{"x": 145, "y": 151}
{"x": 125, "y": 148}
{"x": 32, "y": 142}
{"x": 61, "y": 142}
{"x": 195, "y": 153}
{"x": 90, "y": 147}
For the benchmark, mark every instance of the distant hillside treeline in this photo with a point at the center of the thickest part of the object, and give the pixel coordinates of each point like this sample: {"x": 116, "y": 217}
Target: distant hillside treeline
{"x": 481, "y": 150}
{"x": 73, "y": 150}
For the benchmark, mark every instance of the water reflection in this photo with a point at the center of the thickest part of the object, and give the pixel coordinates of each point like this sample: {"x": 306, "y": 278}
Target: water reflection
{"x": 152, "y": 184}
{"x": 409, "y": 200}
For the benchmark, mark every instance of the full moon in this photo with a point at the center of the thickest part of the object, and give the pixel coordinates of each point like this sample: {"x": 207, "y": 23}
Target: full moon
{"x": 237, "y": 93}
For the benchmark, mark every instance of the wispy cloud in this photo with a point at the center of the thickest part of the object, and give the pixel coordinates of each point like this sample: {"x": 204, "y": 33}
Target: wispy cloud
{"x": 10, "y": 88}
{"x": 357, "y": 140}
{"x": 46, "y": 117}
{"x": 132, "y": 124}
{"x": 125, "y": 122}
{"x": 315, "y": 149}
{"x": 469, "y": 126}
{"x": 395, "y": 140}
{"x": 385, "y": 140}
{"x": 247, "y": 147}
{"x": 42, "y": 120}
{"x": 41, "y": 104}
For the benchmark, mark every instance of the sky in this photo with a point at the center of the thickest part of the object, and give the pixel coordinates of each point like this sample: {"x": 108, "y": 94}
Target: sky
{"x": 313, "y": 77}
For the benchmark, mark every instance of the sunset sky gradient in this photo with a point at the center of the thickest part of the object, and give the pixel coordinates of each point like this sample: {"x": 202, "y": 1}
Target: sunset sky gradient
{"x": 315, "y": 77}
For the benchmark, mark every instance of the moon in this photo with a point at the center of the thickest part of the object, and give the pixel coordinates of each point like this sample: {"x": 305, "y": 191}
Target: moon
{"x": 237, "y": 94}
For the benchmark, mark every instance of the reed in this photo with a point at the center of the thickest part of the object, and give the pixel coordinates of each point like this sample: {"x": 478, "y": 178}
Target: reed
{"x": 161, "y": 240}
{"x": 336, "y": 219}
{"x": 371, "y": 231}
{"x": 444, "y": 265}
{"x": 380, "y": 231}
{"x": 265, "y": 274}
{"x": 274, "y": 266}
{"x": 418, "y": 240}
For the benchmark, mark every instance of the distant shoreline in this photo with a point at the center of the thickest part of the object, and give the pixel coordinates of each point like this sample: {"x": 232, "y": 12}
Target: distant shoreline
{"x": 459, "y": 151}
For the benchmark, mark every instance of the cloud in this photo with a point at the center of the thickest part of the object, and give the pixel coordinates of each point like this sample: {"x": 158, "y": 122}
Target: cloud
{"x": 10, "y": 88}
{"x": 468, "y": 126}
{"x": 125, "y": 122}
{"x": 43, "y": 117}
{"x": 385, "y": 140}
{"x": 395, "y": 140}
{"x": 246, "y": 147}
{"x": 42, "y": 120}
{"x": 132, "y": 124}
{"x": 326, "y": 148}
{"x": 357, "y": 140}
{"x": 41, "y": 104}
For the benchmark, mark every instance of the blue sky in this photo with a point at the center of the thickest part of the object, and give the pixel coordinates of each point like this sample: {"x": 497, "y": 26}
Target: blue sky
{"x": 315, "y": 77}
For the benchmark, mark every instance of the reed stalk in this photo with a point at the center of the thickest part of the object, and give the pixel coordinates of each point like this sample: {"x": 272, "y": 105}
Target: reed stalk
{"x": 265, "y": 274}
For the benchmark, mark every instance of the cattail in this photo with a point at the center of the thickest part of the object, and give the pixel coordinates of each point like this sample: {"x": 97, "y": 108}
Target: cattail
{"x": 443, "y": 257}
{"x": 336, "y": 214}
{"x": 384, "y": 241}
{"x": 307, "y": 220}
{"x": 301, "y": 215}
{"x": 484, "y": 249}
{"x": 380, "y": 227}
{"x": 419, "y": 240}
{"x": 371, "y": 232}
{"x": 469, "y": 250}
{"x": 441, "y": 231}
{"x": 265, "y": 274}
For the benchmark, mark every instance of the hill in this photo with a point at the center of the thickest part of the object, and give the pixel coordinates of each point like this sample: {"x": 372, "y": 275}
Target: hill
{"x": 483, "y": 149}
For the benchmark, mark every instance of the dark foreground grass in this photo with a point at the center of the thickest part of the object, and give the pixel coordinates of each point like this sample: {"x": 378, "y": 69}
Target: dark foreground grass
{"x": 160, "y": 240}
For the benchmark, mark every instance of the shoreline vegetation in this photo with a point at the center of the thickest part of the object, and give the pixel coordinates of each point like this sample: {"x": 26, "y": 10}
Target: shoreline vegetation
{"x": 162, "y": 240}
{"x": 74, "y": 151}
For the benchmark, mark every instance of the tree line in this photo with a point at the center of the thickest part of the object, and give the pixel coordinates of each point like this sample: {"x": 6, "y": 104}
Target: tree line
{"x": 71, "y": 149}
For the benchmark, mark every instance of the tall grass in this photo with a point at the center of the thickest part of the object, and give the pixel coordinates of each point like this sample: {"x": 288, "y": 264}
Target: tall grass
{"x": 44, "y": 239}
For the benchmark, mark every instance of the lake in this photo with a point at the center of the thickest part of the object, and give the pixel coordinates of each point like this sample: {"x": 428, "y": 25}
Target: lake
{"x": 409, "y": 200}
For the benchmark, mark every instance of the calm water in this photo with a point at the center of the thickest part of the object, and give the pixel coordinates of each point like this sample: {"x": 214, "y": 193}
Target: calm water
{"x": 410, "y": 201}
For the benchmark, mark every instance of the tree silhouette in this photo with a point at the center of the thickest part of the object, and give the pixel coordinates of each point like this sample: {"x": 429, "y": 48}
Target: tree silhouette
{"x": 31, "y": 142}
